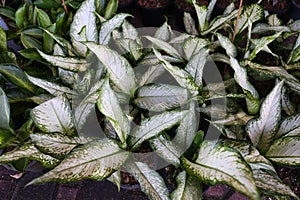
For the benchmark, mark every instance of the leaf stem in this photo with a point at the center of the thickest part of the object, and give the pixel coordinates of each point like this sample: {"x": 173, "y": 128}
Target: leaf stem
{"x": 237, "y": 20}
{"x": 65, "y": 6}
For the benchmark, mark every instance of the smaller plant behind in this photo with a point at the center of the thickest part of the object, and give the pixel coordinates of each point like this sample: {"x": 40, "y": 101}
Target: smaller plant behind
{"x": 105, "y": 68}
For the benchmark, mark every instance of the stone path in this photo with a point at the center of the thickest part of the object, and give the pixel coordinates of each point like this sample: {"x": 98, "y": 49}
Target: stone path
{"x": 14, "y": 189}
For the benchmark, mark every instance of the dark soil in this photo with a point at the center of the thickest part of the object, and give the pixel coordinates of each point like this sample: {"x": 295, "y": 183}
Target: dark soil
{"x": 184, "y": 5}
{"x": 297, "y": 2}
{"x": 281, "y": 5}
{"x": 124, "y": 2}
{"x": 153, "y": 3}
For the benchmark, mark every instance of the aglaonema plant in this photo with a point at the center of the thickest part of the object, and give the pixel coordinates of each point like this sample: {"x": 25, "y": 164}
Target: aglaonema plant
{"x": 114, "y": 73}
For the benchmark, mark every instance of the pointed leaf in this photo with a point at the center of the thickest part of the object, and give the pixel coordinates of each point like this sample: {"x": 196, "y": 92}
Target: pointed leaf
{"x": 183, "y": 78}
{"x": 16, "y": 76}
{"x": 196, "y": 64}
{"x": 201, "y": 15}
{"x": 188, "y": 187}
{"x": 162, "y": 45}
{"x": 31, "y": 152}
{"x": 193, "y": 45}
{"x": 50, "y": 87}
{"x": 186, "y": 130}
{"x": 164, "y": 32}
{"x": 216, "y": 163}
{"x": 295, "y": 54}
{"x": 67, "y": 63}
{"x": 227, "y": 45}
{"x": 151, "y": 182}
{"x": 110, "y": 25}
{"x": 189, "y": 24}
{"x": 57, "y": 145}
{"x": 109, "y": 105}
{"x": 153, "y": 126}
{"x": 150, "y": 75}
{"x": 289, "y": 127}
{"x": 116, "y": 179}
{"x": 160, "y": 97}
{"x": 54, "y": 116}
{"x": 262, "y": 43}
{"x": 285, "y": 151}
{"x": 84, "y": 20}
{"x": 96, "y": 160}
{"x": 166, "y": 150}
{"x": 5, "y": 111}
{"x": 262, "y": 130}
{"x": 119, "y": 69}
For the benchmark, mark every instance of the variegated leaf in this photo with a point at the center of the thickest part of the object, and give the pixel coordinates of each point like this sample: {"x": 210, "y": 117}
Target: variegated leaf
{"x": 67, "y": 63}
{"x": 264, "y": 173}
{"x": 250, "y": 15}
{"x": 287, "y": 104}
{"x": 262, "y": 130}
{"x": 5, "y": 111}
{"x": 193, "y": 45}
{"x": 119, "y": 69}
{"x": 50, "y": 87}
{"x": 263, "y": 27}
{"x": 162, "y": 45}
{"x": 110, "y": 25}
{"x": 285, "y": 151}
{"x": 150, "y": 75}
{"x": 160, "y": 97}
{"x": 54, "y": 116}
{"x": 196, "y": 64}
{"x": 130, "y": 46}
{"x": 261, "y": 43}
{"x": 56, "y": 144}
{"x": 116, "y": 179}
{"x": 130, "y": 32}
{"x": 153, "y": 126}
{"x": 16, "y": 76}
{"x": 187, "y": 129}
{"x": 295, "y": 54}
{"x": 201, "y": 15}
{"x": 84, "y": 26}
{"x": 96, "y": 160}
{"x": 216, "y": 163}
{"x": 164, "y": 32}
{"x": 189, "y": 24}
{"x": 152, "y": 184}
{"x": 31, "y": 152}
{"x": 227, "y": 45}
{"x": 183, "y": 78}
{"x": 166, "y": 149}
{"x": 289, "y": 127}
{"x": 109, "y": 105}
{"x": 188, "y": 187}
{"x": 219, "y": 22}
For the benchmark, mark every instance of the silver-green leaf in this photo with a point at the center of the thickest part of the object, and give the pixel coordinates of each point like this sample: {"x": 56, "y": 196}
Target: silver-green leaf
{"x": 153, "y": 126}
{"x": 289, "y": 127}
{"x": 96, "y": 160}
{"x": 119, "y": 69}
{"x": 262, "y": 130}
{"x": 216, "y": 163}
{"x": 227, "y": 45}
{"x": 160, "y": 97}
{"x": 109, "y": 105}
{"x": 54, "y": 116}
{"x": 5, "y": 111}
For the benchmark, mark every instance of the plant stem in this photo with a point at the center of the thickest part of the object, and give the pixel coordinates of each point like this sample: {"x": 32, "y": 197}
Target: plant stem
{"x": 237, "y": 20}
{"x": 65, "y": 6}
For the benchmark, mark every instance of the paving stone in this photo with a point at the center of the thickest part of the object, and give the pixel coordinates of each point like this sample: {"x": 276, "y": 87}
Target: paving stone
{"x": 6, "y": 189}
{"x": 238, "y": 196}
{"x": 66, "y": 192}
{"x": 32, "y": 192}
{"x": 217, "y": 192}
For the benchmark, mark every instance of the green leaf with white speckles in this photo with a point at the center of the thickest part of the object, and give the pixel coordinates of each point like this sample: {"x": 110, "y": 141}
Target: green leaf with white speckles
{"x": 183, "y": 78}
{"x": 262, "y": 130}
{"x": 153, "y": 126}
{"x": 84, "y": 21}
{"x": 67, "y": 63}
{"x": 227, "y": 45}
{"x": 56, "y": 144}
{"x": 118, "y": 68}
{"x": 109, "y": 105}
{"x": 160, "y": 97}
{"x": 216, "y": 163}
{"x": 166, "y": 149}
{"x": 289, "y": 127}
{"x": 285, "y": 151}
{"x": 152, "y": 184}
{"x": 192, "y": 45}
{"x": 96, "y": 160}
{"x": 54, "y": 116}
{"x": 295, "y": 54}
{"x": 188, "y": 187}
{"x": 31, "y": 152}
